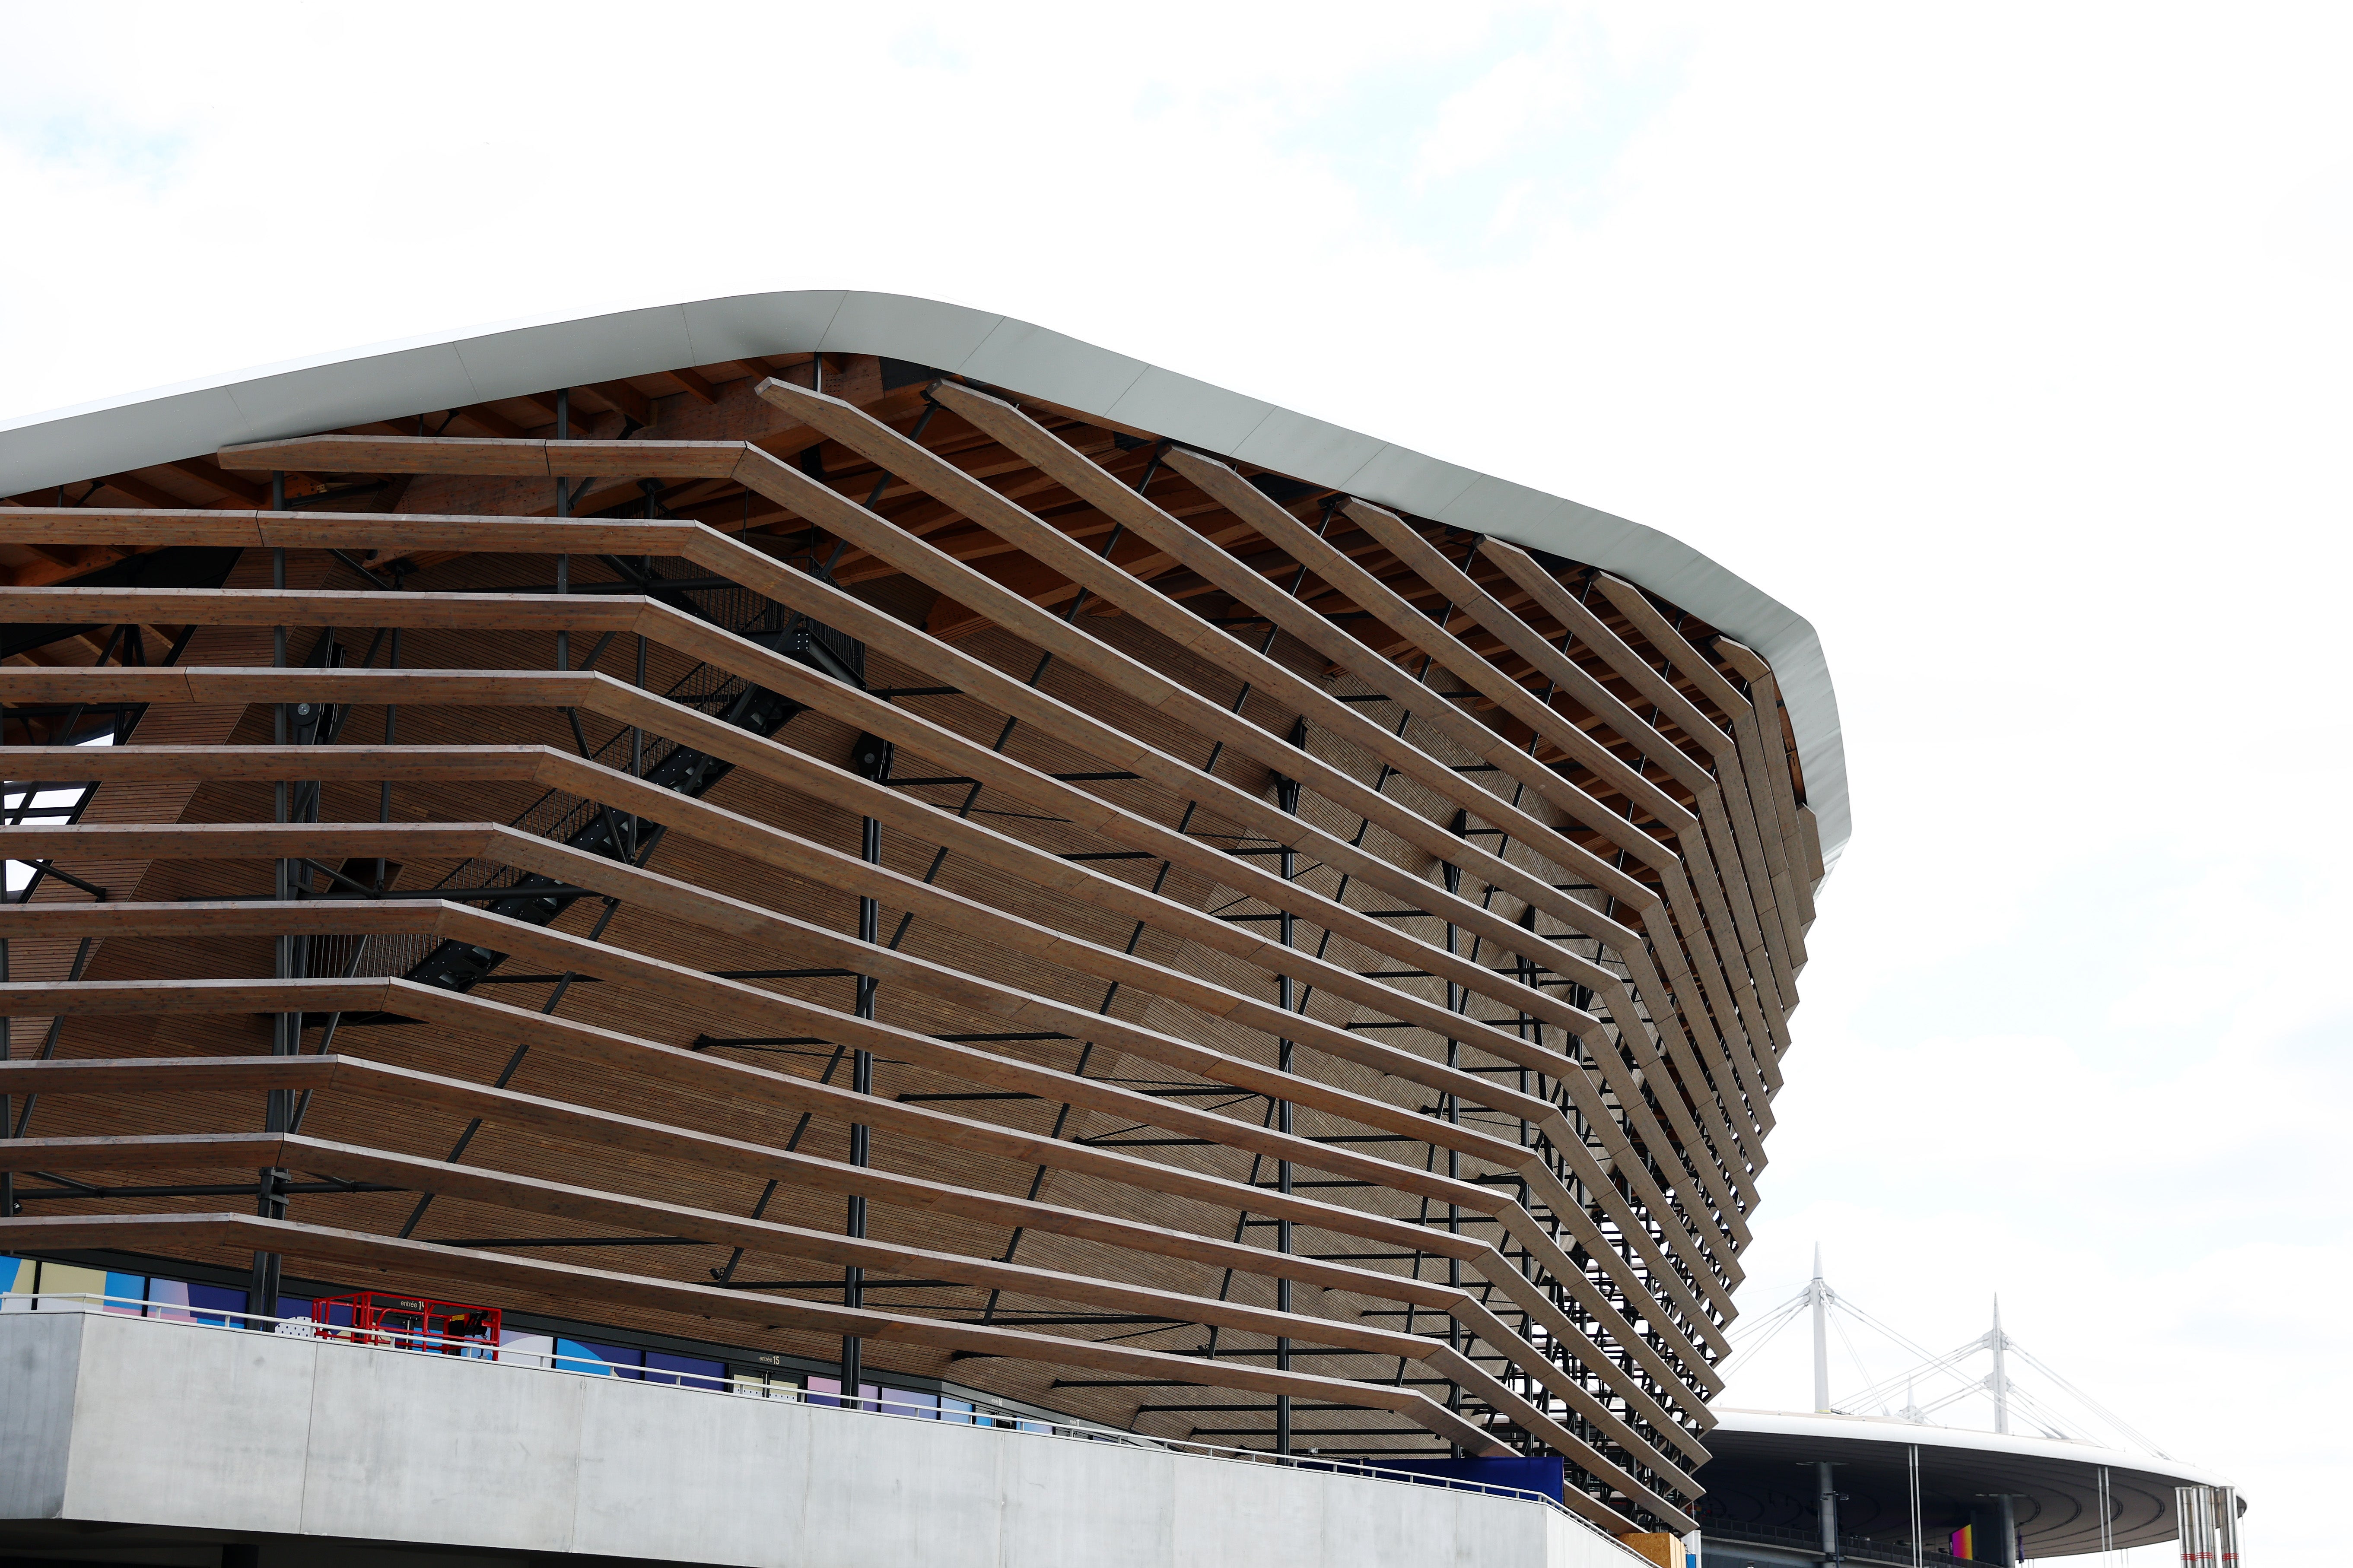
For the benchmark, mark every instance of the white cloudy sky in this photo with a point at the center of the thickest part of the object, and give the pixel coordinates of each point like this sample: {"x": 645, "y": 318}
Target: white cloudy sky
{"x": 2008, "y": 343}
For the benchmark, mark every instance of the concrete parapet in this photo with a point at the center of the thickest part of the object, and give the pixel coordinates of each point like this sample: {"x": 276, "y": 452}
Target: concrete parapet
{"x": 118, "y": 1420}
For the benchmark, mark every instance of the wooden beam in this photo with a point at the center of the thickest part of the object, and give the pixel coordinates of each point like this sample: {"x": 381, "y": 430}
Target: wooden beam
{"x": 141, "y": 490}
{"x": 626, "y": 400}
{"x": 770, "y": 670}
{"x": 608, "y": 1129}
{"x": 1432, "y": 566}
{"x": 213, "y": 476}
{"x": 566, "y": 1201}
{"x": 723, "y": 1005}
{"x": 407, "y": 842}
{"x": 627, "y": 706}
{"x": 277, "y": 607}
{"x": 883, "y": 445}
{"x": 518, "y": 457}
{"x": 484, "y": 417}
{"x": 693, "y": 384}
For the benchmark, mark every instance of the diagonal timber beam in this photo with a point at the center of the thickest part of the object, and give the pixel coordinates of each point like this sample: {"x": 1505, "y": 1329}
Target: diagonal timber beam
{"x": 611, "y": 1131}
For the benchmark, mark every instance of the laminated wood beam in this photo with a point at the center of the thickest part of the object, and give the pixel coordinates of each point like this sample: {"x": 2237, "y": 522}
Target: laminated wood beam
{"x": 693, "y": 382}
{"x": 1121, "y": 503}
{"x": 1152, "y": 731}
{"x": 1020, "y": 527}
{"x": 1203, "y": 553}
{"x": 556, "y": 770}
{"x": 627, "y": 706}
{"x": 1428, "y": 562}
{"x": 1245, "y": 502}
{"x": 1757, "y": 1057}
{"x": 718, "y": 553}
{"x": 1637, "y": 609}
{"x": 999, "y": 513}
{"x": 325, "y": 530}
{"x": 744, "y": 1084}
{"x": 516, "y": 457}
{"x": 214, "y": 477}
{"x": 854, "y": 429}
{"x": 770, "y": 1238}
{"x": 706, "y": 998}
{"x": 688, "y": 634}
{"x": 1420, "y": 631}
{"x": 1765, "y": 692}
{"x": 924, "y": 820}
{"x": 1716, "y": 891}
{"x": 738, "y": 1004}
{"x": 1213, "y": 563}
{"x": 311, "y": 607}
{"x": 141, "y": 490}
{"x": 626, "y": 400}
{"x": 781, "y": 1093}
{"x": 561, "y": 1200}
{"x": 766, "y": 845}
{"x": 613, "y": 1132}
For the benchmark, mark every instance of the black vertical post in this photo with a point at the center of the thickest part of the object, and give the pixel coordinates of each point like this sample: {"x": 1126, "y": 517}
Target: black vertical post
{"x": 637, "y": 753}
{"x": 384, "y": 789}
{"x": 563, "y": 508}
{"x": 286, "y": 1036}
{"x": 7, "y": 1102}
{"x": 1287, "y": 796}
{"x": 1458, "y": 1000}
{"x": 861, "y": 1081}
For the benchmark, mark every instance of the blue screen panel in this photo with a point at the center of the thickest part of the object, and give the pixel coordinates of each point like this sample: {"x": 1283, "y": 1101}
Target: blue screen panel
{"x": 1505, "y": 1475}
{"x": 694, "y": 1372}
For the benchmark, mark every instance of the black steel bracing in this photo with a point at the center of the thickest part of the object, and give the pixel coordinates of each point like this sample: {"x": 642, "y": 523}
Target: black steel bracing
{"x": 540, "y": 899}
{"x": 211, "y": 1190}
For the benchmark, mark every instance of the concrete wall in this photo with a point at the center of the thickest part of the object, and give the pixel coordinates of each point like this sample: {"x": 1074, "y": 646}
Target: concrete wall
{"x": 122, "y": 1420}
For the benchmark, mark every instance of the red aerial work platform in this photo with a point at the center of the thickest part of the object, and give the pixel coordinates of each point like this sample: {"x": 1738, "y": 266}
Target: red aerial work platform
{"x": 409, "y": 1322}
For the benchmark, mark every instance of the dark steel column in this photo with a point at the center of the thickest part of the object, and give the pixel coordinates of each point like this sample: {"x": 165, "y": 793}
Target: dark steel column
{"x": 286, "y": 1037}
{"x": 861, "y": 1081}
{"x": 1458, "y": 1000}
{"x": 7, "y": 1102}
{"x": 563, "y": 508}
{"x": 1286, "y": 794}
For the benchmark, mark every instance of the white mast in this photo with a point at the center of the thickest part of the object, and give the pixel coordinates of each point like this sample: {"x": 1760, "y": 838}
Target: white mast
{"x": 2001, "y": 1373}
{"x": 1820, "y": 1293}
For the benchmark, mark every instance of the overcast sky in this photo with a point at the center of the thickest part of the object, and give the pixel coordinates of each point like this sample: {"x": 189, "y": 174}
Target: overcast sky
{"x": 2008, "y": 344}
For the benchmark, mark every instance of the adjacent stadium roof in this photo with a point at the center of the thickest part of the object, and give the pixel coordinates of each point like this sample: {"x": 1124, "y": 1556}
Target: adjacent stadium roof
{"x": 1754, "y": 1480}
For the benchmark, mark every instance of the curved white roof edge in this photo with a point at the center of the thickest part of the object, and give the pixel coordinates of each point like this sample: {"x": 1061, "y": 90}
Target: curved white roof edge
{"x": 1889, "y": 1429}
{"x": 388, "y": 380}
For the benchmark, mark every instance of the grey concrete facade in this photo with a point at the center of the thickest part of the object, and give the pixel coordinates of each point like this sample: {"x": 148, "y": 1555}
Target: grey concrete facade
{"x": 124, "y": 1421}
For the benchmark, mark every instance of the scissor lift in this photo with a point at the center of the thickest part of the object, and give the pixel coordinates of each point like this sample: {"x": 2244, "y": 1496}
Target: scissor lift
{"x": 409, "y": 1322}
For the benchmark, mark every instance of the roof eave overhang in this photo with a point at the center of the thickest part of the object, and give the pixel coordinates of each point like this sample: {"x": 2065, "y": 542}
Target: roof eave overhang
{"x": 389, "y": 380}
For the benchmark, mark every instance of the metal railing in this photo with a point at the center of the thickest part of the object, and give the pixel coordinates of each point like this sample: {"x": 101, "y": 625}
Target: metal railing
{"x": 1852, "y": 1547}
{"x": 470, "y": 1350}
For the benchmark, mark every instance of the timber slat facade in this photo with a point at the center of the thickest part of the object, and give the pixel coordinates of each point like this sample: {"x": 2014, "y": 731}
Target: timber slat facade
{"x": 1141, "y": 922}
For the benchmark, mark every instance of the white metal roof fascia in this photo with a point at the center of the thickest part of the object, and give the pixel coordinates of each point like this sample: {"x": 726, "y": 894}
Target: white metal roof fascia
{"x": 1897, "y": 1432}
{"x": 389, "y": 380}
